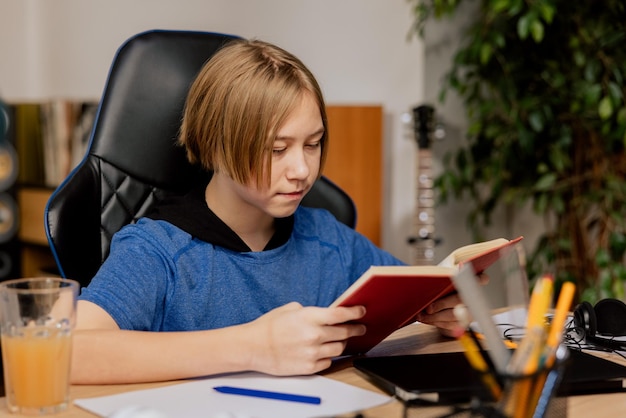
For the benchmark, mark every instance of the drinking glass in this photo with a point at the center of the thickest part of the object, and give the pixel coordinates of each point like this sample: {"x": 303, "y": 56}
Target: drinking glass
{"x": 37, "y": 316}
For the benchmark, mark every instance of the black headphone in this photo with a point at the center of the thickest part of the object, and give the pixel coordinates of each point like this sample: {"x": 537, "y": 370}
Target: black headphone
{"x": 607, "y": 318}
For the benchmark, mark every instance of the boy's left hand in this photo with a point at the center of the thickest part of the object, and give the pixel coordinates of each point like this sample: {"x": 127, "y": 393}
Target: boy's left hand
{"x": 440, "y": 313}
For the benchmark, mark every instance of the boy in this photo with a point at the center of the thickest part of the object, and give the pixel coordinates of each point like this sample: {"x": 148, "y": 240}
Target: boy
{"x": 236, "y": 275}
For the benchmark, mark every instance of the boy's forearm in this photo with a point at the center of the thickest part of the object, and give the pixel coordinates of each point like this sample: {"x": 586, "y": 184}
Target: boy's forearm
{"x": 116, "y": 356}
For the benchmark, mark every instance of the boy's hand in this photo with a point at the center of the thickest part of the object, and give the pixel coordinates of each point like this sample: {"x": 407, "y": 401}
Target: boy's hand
{"x": 293, "y": 339}
{"x": 440, "y": 313}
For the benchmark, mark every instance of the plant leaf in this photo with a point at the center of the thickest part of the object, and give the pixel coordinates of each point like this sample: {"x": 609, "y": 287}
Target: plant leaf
{"x": 485, "y": 53}
{"x": 537, "y": 30}
{"x": 547, "y": 11}
{"x": 523, "y": 26}
{"x": 605, "y": 108}
{"x": 546, "y": 182}
{"x": 536, "y": 121}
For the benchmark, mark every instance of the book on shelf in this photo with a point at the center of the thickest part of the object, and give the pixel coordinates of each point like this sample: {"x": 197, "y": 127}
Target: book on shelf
{"x": 64, "y": 136}
{"x": 28, "y": 143}
{"x": 394, "y": 295}
{"x": 51, "y": 138}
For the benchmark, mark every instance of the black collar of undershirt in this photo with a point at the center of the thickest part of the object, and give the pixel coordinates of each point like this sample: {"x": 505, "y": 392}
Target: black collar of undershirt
{"x": 191, "y": 214}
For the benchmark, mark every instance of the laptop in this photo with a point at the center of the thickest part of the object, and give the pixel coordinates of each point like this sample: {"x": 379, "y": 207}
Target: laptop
{"x": 447, "y": 378}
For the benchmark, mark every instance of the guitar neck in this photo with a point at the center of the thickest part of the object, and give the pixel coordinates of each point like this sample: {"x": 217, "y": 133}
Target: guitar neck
{"x": 423, "y": 240}
{"x": 424, "y": 218}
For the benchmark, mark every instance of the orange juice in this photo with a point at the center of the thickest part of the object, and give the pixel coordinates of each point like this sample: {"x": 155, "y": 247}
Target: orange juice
{"x": 36, "y": 368}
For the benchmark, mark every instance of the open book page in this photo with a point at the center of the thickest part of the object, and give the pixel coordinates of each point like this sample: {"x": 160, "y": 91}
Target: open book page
{"x": 480, "y": 254}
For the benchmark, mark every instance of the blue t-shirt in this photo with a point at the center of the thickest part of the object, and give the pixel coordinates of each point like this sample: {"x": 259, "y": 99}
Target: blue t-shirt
{"x": 159, "y": 278}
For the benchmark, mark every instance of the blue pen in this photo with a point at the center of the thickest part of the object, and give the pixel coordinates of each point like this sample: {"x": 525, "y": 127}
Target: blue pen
{"x": 268, "y": 395}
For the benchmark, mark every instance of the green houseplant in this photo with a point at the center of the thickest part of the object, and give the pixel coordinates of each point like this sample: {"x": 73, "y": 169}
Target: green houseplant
{"x": 544, "y": 85}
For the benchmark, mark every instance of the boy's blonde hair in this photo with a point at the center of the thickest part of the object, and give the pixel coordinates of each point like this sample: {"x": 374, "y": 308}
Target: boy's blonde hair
{"x": 236, "y": 105}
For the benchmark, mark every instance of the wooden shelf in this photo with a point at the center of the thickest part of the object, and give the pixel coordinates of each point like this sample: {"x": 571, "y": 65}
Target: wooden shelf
{"x": 32, "y": 204}
{"x": 37, "y": 260}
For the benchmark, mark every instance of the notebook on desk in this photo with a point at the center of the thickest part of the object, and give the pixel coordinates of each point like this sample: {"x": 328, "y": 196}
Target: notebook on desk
{"x": 447, "y": 378}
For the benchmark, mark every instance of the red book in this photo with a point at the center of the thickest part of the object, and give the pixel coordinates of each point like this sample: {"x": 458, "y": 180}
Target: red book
{"x": 394, "y": 295}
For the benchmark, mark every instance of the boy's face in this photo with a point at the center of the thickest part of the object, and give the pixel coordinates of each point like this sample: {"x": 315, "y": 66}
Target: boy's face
{"x": 296, "y": 156}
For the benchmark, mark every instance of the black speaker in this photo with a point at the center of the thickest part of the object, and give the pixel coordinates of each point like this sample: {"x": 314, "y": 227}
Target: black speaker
{"x": 9, "y": 213}
{"x": 602, "y": 322}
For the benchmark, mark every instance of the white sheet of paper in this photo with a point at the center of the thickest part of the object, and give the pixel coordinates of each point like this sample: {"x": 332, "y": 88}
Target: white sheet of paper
{"x": 197, "y": 398}
{"x": 511, "y": 322}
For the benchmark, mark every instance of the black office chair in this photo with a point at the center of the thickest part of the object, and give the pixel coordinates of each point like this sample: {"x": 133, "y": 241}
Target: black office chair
{"x": 132, "y": 160}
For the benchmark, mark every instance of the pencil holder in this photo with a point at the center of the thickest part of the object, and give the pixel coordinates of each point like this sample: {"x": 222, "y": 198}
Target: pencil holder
{"x": 522, "y": 396}
{"x": 531, "y": 396}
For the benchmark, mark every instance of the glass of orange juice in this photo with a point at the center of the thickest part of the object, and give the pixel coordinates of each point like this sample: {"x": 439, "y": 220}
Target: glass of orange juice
{"x": 37, "y": 316}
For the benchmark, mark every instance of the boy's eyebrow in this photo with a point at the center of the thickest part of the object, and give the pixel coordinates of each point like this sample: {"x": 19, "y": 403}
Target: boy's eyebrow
{"x": 318, "y": 132}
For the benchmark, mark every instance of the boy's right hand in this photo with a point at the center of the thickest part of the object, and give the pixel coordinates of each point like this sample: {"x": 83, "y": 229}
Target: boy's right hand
{"x": 297, "y": 340}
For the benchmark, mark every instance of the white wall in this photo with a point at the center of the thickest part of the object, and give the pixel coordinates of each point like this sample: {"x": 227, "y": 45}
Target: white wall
{"x": 358, "y": 49}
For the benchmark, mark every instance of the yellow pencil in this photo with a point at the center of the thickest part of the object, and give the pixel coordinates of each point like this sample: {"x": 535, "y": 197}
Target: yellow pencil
{"x": 525, "y": 360}
{"x": 535, "y": 324}
{"x": 474, "y": 357}
{"x": 507, "y": 343}
{"x": 555, "y": 335}
{"x": 540, "y": 302}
